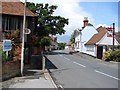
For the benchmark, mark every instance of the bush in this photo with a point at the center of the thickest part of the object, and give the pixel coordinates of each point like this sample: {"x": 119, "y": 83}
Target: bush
{"x": 107, "y": 56}
{"x": 4, "y": 56}
{"x": 113, "y": 55}
{"x": 116, "y": 55}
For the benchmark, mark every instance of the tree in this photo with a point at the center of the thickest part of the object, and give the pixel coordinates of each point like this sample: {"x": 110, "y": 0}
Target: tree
{"x": 45, "y": 41}
{"x": 61, "y": 45}
{"x": 75, "y": 33}
{"x": 47, "y": 22}
{"x": 31, "y": 6}
{"x": 72, "y": 39}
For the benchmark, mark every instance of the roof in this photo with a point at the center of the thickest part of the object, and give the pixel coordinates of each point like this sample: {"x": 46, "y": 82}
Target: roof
{"x": 101, "y": 32}
{"x": 97, "y": 37}
{"x": 101, "y": 29}
{"x": 15, "y": 8}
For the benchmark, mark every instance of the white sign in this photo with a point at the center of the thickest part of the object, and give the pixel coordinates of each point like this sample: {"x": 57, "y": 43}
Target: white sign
{"x": 27, "y": 31}
{"x": 7, "y": 45}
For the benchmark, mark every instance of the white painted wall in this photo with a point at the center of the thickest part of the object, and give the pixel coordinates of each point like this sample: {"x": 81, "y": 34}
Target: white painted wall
{"x": 93, "y": 53}
{"x": 104, "y": 41}
{"x": 107, "y": 41}
{"x": 86, "y": 34}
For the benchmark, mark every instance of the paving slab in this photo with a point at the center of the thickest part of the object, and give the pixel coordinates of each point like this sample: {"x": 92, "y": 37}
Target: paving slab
{"x": 35, "y": 81}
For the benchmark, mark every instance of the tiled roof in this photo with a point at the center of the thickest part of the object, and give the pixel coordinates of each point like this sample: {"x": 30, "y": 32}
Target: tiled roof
{"x": 15, "y": 8}
{"x": 97, "y": 37}
{"x": 101, "y": 29}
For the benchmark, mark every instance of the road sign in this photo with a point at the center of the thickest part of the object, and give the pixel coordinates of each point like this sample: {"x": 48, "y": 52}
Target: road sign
{"x": 7, "y": 45}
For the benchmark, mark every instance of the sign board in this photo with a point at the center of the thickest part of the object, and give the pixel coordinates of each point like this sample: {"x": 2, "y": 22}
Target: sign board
{"x": 7, "y": 45}
{"x": 27, "y": 31}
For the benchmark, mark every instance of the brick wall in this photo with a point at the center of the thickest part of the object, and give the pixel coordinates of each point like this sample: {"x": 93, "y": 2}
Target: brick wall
{"x": 10, "y": 69}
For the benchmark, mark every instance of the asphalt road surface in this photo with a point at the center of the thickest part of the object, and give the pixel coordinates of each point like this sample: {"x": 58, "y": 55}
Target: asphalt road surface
{"x": 73, "y": 71}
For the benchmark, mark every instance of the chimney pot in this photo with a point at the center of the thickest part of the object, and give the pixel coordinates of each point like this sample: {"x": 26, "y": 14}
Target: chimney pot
{"x": 85, "y": 21}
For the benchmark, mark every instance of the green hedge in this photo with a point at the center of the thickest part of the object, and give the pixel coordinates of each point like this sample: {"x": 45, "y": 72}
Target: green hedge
{"x": 4, "y": 56}
{"x": 113, "y": 55}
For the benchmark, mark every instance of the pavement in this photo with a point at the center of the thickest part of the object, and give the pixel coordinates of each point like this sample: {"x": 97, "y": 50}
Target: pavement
{"x": 37, "y": 80}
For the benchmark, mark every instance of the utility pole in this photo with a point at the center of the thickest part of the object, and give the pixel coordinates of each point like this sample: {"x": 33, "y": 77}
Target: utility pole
{"x": 113, "y": 36}
{"x": 23, "y": 39}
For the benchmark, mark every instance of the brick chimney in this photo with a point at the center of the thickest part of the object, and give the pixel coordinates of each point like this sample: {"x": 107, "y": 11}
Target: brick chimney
{"x": 85, "y": 21}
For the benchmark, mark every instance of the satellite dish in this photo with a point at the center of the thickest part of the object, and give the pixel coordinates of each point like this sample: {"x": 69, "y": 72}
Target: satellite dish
{"x": 27, "y": 31}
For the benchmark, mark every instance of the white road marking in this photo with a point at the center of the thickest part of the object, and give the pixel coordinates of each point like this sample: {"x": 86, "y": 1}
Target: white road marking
{"x": 106, "y": 74}
{"x": 60, "y": 55}
{"x": 67, "y": 58}
{"x": 79, "y": 64}
{"x": 60, "y": 87}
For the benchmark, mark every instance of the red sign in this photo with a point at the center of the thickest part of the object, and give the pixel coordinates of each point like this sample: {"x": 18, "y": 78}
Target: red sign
{"x": 109, "y": 29}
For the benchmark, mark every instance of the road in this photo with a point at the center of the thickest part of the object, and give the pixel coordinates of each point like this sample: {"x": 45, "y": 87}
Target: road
{"x": 73, "y": 71}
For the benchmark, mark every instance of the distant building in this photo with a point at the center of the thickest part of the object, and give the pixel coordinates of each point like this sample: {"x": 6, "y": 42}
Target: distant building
{"x": 69, "y": 46}
{"x": 54, "y": 43}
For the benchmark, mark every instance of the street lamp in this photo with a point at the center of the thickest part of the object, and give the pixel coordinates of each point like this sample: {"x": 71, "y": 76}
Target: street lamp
{"x": 23, "y": 39}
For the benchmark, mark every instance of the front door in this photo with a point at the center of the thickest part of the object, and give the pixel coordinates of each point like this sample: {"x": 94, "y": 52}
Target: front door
{"x": 99, "y": 52}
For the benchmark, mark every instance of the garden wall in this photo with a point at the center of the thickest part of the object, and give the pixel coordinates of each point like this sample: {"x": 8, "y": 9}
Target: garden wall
{"x": 10, "y": 69}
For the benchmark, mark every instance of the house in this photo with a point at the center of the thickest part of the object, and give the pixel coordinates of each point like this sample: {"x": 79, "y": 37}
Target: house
{"x": 87, "y": 31}
{"x": 94, "y": 41}
{"x": 100, "y": 42}
{"x": 12, "y": 19}
{"x": 53, "y": 44}
{"x": 69, "y": 46}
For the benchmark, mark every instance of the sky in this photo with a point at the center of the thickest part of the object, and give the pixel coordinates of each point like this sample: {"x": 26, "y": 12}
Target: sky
{"x": 99, "y": 13}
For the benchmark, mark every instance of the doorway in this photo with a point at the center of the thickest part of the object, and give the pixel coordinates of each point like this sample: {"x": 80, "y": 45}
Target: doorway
{"x": 99, "y": 52}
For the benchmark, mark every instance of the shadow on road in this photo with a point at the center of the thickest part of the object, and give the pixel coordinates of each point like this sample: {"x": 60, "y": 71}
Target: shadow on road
{"x": 49, "y": 64}
{"x": 56, "y": 53}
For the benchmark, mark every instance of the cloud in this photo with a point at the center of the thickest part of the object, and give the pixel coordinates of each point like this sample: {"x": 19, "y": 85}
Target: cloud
{"x": 105, "y": 25}
{"x": 70, "y": 9}
{"x": 9, "y": 0}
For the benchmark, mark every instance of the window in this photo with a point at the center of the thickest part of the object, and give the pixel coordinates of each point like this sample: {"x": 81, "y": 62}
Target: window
{"x": 10, "y": 23}
{"x": 90, "y": 47}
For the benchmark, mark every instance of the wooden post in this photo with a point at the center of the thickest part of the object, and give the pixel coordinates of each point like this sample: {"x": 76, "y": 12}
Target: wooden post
{"x": 113, "y": 36}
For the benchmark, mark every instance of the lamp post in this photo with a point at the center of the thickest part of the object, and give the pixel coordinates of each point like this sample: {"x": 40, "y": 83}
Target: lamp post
{"x": 23, "y": 39}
